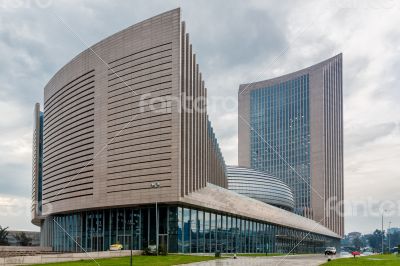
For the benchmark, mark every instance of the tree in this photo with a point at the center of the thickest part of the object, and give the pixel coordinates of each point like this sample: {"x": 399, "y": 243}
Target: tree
{"x": 375, "y": 240}
{"x": 3, "y": 236}
{"x": 357, "y": 243}
{"x": 23, "y": 239}
{"x": 364, "y": 241}
{"x": 395, "y": 239}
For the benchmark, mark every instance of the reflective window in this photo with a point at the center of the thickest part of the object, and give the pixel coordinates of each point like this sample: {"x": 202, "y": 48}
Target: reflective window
{"x": 136, "y": 230}
{"x": 152, "y": 226}
{"x": 193, "y": 230}
{"x": 207, "y": 232}
{"x": 213, "y": 232}
{"x": 174, "y": 229}
{"x": 180, "y": 230}
{"x": 128, "y": 229}
{"x": 219, "y": 233}
{"x": 144, "y": 227}
{"x": 200, "y": 232}
{"x": 113, "y": 226}
{"x": 107, "y": 231}
{"x": 186, "y": 230}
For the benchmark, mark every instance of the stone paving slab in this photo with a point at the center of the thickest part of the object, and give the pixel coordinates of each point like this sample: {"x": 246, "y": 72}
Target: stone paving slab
{"x": 292, "y": 260}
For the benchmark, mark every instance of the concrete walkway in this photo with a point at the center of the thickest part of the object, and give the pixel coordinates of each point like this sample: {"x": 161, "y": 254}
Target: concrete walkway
{"x": 21, "y": 260}
{"x": 291, "y": 260}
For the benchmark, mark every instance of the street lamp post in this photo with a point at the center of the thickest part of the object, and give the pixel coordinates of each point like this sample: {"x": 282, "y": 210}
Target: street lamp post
{"x": 156, "y": 185}
{"x": 389, "y": 234}
{"x": 131, "y": 224}
{"x": 131, "y": 252}
{"x": 382, "y": 230}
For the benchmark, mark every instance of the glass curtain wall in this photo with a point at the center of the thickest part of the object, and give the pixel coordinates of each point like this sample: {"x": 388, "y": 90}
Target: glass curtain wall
{"x": 181, "y": 230}
{"x": 279, "y": 115}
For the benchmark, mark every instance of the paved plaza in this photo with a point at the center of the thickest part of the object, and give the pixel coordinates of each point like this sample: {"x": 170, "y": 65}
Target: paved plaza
{"x": 292, "y": 260}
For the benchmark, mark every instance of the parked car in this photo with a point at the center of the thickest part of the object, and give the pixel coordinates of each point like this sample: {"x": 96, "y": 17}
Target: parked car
{"x": 355, "y": 253}
{"x": 330, "y": 251}
{"x": 150, "y": 250}
{"x": 115, "y": 247}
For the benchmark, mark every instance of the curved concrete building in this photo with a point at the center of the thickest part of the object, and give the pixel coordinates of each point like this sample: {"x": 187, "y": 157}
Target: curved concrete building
{"x": 128, "y": 146}
{"x": 113, "y": 120}
{"x": 260, "y": 186}
{"x": 292, "y": 127}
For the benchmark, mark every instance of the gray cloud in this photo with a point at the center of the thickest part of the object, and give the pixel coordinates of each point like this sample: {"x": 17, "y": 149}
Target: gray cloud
{"x": 241, "y": 35}
{"x": 360, "y": 135}
{"x": 13, "y": 179}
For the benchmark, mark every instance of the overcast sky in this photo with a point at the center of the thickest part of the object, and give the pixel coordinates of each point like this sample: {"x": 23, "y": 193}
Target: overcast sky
{"x": 236, "y": 42}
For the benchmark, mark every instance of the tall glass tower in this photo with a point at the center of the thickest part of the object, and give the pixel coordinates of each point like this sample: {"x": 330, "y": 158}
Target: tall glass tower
{"x": 292, "y": 127}
{"x": 280, "y": 139}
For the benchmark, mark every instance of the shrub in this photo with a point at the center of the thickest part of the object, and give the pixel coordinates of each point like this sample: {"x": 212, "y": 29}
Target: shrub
{"x": 147, "y": 252}
{"x": 162, "y": 250}
{"x": 3, "y": 236}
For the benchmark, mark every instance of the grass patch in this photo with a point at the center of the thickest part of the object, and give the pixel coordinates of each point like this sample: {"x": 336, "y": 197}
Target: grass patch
{"x": 385, "y": 260}
{"x": 137, "y": 261}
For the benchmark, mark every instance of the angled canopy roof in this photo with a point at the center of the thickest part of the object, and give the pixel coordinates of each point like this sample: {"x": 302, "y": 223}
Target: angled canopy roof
{"x": 224, "y": 200}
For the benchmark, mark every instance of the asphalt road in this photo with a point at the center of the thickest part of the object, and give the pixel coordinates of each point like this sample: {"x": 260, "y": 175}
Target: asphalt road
{"x": 291, "y": 260}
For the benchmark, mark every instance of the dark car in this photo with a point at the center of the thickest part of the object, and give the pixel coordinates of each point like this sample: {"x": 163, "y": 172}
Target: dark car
{"x": 330, "y": 251}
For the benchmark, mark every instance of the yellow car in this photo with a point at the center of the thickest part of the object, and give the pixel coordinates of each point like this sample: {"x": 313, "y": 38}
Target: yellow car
{"x": 115, "y": 247}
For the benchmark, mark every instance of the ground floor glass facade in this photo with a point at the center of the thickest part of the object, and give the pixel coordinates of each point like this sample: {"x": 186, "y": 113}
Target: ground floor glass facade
{"x": 181, "y": 230}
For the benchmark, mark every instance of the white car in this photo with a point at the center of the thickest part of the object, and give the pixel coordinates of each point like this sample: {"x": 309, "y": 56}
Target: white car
{"x": 330, "y": 251}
